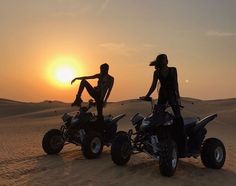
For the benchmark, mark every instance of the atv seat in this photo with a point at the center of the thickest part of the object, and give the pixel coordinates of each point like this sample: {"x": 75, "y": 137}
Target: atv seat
{"x": 190, "y": 122}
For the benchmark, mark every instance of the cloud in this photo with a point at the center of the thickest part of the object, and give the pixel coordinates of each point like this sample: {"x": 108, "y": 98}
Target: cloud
{"x": 119, "y": 48}
{"x": 113, "y": 45}
{"x": 127, "y": 50}
{"x": 150, "y": 45}
{"x": 220, "y": 34}
{"x": 104, "y": 6}
{"x": 75, "y": 8}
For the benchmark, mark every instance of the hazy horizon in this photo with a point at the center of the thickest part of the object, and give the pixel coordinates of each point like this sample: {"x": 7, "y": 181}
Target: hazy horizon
{"x": 40, "y": 38}
{"x": 129, "y": 99}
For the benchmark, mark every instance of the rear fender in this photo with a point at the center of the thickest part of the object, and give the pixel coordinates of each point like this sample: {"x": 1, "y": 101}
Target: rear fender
{"x": 117, "y": 118}
{"x": 203, "y": 122}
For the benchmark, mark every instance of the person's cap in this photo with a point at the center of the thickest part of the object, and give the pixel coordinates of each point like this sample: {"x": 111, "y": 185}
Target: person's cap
{"x": 153, "y": 63}
{"x": 158, "y": 60}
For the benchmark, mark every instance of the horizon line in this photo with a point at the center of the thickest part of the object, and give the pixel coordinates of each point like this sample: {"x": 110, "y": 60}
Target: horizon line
{"x": 131, "y": 99}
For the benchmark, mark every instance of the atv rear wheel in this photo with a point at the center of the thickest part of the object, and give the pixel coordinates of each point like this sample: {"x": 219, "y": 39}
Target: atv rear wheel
{"x": 53, "y": 141}
{"x": 213, "y": 153}
{"x": 121, "y": 149}
{"x": 168, "y": 158}
{"x": 92, "y": 145}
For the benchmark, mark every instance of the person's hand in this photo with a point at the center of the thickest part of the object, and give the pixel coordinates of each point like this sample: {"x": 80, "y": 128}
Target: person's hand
{"x": 142, "y": 97}
{"x": 145, "y": 98}
{"x": 73, "y": 81}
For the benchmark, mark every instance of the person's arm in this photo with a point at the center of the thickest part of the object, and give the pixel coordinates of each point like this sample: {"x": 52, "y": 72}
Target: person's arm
{"x": 109, "y": 90}
{"x": 154, "y": 84}
{"x": 85, "y": 77}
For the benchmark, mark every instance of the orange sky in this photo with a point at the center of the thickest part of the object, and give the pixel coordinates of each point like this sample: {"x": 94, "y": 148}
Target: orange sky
{"x": 34, "y": 35}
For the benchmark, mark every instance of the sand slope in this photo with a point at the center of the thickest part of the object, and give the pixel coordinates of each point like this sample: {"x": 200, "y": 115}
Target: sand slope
{"x": 23, "y": 162}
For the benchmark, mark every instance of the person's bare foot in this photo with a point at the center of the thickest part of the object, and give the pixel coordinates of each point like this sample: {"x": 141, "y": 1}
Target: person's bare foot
{"x": 77, "y": 102}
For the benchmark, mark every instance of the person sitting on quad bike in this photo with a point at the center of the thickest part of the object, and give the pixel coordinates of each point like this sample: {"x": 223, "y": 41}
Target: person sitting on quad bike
{"x": 100, "y": 93}
{"x": 168, "y": 92}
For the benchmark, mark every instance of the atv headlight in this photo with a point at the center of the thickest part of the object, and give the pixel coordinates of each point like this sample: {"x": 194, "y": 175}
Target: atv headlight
{"x": 145, "y": 123}
{"x": 168, "y": 123}
{"x": 66, "y": 117}
{"x": 136, "y": 119}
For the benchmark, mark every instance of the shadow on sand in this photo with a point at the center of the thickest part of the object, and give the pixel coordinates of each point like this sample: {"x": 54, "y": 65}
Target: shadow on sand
{"x": 70, "y": 167}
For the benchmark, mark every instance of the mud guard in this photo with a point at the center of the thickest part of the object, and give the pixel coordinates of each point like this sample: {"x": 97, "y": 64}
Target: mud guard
{"x": 203, "y": 122}
{"x": 117, "y": 118}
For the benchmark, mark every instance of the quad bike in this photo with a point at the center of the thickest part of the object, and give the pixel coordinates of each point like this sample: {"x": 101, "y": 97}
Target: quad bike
{"x": 156, "y": 136}
{"x": 83, "y": 129}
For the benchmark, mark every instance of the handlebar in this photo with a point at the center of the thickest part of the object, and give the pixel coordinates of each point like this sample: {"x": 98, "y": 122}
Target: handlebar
{"x": 149, "y": 99}
{"x": 144, "y": 98}
{"x": 91, "y": 104}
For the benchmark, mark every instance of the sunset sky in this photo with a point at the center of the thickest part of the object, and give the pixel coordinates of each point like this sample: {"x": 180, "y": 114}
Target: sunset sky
{"x": 44, "y": 40}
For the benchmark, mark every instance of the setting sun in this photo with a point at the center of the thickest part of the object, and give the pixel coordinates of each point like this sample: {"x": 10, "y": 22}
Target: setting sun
{"x": 64, "y": 74}
{"x": 62, "y": 70}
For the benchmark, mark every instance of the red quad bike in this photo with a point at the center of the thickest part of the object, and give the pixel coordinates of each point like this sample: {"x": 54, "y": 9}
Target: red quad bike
{"x": 83, "y": 129}
{"x": 155, "y": 135}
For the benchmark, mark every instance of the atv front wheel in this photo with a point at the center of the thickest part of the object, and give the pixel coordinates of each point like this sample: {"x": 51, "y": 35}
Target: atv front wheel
{"x": 121, "y": 149}
{"x": 213, "y": 153}
{"x": 168, "y": 158}
{"x": 53, "y": 141}
{"x": 92, "y": 145}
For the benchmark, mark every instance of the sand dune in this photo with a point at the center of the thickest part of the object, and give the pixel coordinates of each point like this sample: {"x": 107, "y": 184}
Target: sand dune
{"x": 23, "y": 162}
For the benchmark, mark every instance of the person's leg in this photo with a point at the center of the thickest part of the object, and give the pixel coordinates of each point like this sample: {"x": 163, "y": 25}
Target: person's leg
{"x": 99, "y": 104}
{"x": 100, "y": 108}
{"x": 93, "y": 93}
{"x": 181, "y": 135}
{"x": 178, "y": 118}
{"x": 161, "y": 103}
{"x": 89, "y": 88}
{"x": 85, "y": 84}
{"x": 100, "y": 117}
{"x": 176, "y": 111}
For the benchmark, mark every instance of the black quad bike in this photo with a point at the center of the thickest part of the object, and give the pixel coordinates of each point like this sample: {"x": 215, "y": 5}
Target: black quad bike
{"x": 156, "y": 136}
{"x": 83, "y": 129}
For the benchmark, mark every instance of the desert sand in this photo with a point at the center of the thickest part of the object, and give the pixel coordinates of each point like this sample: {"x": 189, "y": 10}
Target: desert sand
{"x": 23, "y": 161}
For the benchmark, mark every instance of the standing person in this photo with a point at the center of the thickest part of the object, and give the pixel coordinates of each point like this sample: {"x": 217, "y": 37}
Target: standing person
{"x": 168, "y": 92}
{"x": 100, "y": 93}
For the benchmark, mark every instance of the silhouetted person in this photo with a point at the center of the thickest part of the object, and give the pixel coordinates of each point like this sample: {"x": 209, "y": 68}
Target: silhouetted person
{"x": 168, "y": 92}
{"x": 100, "y": 93}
